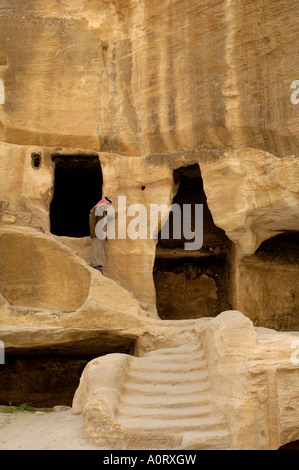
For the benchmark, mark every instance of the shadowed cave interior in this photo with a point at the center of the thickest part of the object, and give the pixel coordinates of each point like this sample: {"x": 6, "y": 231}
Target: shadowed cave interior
{"x": 202, "y": 275}
{"x": 78, "y": 184}
{"x": 49, "y": 376}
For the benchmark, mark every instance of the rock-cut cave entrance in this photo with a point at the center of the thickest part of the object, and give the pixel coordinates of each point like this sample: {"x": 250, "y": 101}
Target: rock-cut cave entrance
{"x": 77, "y": 188}
{"x": 49, "y": 376}
{"x": 192, "y": 283}
{"x": 270, "y": 290}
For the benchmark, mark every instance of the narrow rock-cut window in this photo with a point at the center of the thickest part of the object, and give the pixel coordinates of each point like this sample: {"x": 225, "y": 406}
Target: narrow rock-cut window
{"x": 77, "y": 188}
{"x": 36, "y": 160}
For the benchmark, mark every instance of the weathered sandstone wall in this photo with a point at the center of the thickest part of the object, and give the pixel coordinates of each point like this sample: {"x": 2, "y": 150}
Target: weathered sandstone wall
{"x": 157, "y": 101}
{"x": 139, "y": 77}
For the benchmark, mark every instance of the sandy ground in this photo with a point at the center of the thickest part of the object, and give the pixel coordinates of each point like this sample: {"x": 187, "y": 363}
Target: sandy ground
{"x": 59, "y": 430}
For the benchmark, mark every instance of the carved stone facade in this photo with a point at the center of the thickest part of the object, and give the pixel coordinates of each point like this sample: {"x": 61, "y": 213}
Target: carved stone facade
{"x": 161, "y": 103}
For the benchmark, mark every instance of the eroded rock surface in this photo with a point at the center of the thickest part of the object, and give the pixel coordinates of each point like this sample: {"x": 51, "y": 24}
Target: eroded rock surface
{"x": 157, "y": 103}
{"x": 137, "y": 78}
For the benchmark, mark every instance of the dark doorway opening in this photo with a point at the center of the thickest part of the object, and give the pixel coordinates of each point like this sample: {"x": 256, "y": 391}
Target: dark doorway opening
{"x": 192, "y": 283}
{"x": 49, "y": 376}
{"x": 191, "y": 191}
{"x": 282, "y": 248}
{"x": 270, "y": 291}
{"x": 77, "y": 188}
{"x": 294, "y": 445}
{"x": 191, "y": 287}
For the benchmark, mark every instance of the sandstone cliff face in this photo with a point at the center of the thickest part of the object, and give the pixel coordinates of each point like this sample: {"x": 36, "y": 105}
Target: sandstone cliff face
{"x": 158, "y": 102}
{"x": 137, "y": 77}
{"x": 251, "y": 197}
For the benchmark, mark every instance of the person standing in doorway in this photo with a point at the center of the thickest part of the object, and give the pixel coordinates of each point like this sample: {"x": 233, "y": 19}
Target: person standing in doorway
{"x": 97, "y": 213}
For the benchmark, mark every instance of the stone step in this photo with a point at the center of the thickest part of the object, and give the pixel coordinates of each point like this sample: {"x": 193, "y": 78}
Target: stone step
{"x": 166, "y": 387}
{"x": 210, "y": 439}
{"x": 174, "y": 358}
{"x": 193, "y": 347}
{"x": 147, "y": 364}
{"x": 201, "y": 422}
{"x": 172, "y": 378}
{"x": 166, "y": 401}
{"x": 165, "y": 412}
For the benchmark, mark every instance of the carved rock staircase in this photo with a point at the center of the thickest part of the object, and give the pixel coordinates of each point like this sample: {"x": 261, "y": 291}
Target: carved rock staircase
{"x": 167, "y": 392}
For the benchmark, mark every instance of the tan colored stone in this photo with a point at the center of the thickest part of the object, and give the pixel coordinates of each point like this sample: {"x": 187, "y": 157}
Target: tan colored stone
{"x": 142, "y": 87}
{"x": 267, "y": 292}
{"x": 137, "y": 78}
{"x": 33, "y": 273}
{"x": 249, "y": 199}
{"x": 8, "y": 219}
{"x": 250, "y": 366}
{"x": 201, "y": 293}
{"x": 251, "y": 195}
